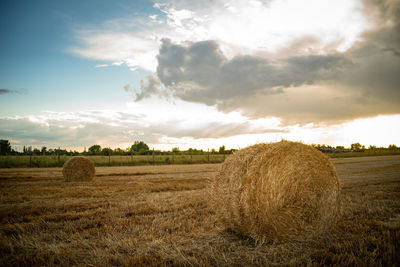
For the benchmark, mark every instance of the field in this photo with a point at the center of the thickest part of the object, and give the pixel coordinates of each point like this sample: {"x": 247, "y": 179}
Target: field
{"x": 25, "y": 161}
{"x": 44, "y": 161}
{"x": 160, "y": 215}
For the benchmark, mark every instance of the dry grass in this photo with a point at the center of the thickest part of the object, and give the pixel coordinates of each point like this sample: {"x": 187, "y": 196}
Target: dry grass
{"x": 160, "y": 215}
{"x": 277, "y": 191}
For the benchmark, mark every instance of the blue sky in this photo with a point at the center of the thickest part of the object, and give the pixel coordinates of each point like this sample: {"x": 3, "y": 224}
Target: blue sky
{"x": 36, "y": 62}
{"x": 198, "y": 74}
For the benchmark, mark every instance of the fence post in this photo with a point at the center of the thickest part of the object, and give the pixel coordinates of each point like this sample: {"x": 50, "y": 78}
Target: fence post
{"x": 191, "y": 156}
{"x": 58, "y": 156}
{"x": 173, "y": 157}
{"x": 224, "y": 155}
{"x": 153, "y": 155}
{"x": 109, "y": 159}
{"x": 208, "y": 155}
{"x": 30, "y": 160}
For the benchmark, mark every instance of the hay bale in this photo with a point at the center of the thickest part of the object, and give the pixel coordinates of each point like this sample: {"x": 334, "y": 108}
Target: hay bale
{"x": 78, "y": 169}
{"x": 277, "y": 192}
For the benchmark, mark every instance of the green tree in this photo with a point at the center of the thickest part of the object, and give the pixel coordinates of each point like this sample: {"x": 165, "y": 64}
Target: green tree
{"x": 140, "y": 147}
{"x": 59, "y": 151}
{"x": 357, "y": 146}
{"x": 222, "y": 149}
{"x": 106, "y": 151}
{"x": 5, "y": 147}
{"x": 118, "y": 151}
{"x": 393, "y": 146}
{"x": 44, "y": 150}
{"x": 95, "y": 149}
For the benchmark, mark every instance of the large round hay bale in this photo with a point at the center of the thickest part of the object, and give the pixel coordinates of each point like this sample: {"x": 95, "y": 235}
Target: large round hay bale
{"x": 78, "y": 169}
{"x": 277, "y": 192}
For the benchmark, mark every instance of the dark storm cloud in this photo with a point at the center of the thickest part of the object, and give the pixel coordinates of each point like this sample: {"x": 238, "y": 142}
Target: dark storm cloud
{"x": 150, "y": 85}
{"x": 363, "y": 81}
{"x": 382, "y": 11}
{"x": 376, "y": 59}
{"x": 200, "y": 72}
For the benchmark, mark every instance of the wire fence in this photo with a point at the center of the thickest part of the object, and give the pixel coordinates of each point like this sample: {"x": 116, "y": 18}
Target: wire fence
{"x": 40, "y": 161}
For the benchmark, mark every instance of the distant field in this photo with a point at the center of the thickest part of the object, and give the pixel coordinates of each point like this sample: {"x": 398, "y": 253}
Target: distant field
{"x": 367, "y": 153}
{"x": 40, "y": 161}
{"x": 55, "y": 161}
{"x": 160, "y": 215}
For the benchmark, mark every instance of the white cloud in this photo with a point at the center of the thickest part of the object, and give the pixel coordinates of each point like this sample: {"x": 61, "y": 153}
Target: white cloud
{"x": 240, "y": 27}
{"x": 102, "y": 65}
{"x": 184, "y": 125}
{"x": 119, "y": 48}
{"x": 151, "y": 120}
{"x": 153, "y": 17}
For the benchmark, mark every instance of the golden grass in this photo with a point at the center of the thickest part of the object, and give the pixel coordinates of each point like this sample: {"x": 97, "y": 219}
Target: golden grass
{"x": 78, "y": 169}
{"x": 277, "y": 191}
{"x": 160, "y": 215}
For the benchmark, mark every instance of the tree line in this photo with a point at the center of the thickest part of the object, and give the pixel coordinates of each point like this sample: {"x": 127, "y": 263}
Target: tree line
{"x": 141, "y": 148}
{"x": 137, "y": 148}
{"x": 355, "y": 147}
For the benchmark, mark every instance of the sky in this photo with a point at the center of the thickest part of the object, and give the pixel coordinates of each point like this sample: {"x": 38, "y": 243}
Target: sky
{"x": 199, "y": 74}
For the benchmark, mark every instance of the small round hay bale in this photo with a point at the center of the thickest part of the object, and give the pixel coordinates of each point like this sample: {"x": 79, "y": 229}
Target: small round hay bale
{"x": 277, "y": 192}
{"x": 78, "y": 169}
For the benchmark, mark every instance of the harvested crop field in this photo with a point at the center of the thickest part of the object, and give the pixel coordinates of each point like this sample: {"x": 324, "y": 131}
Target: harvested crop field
{"x": 160, "y": 215}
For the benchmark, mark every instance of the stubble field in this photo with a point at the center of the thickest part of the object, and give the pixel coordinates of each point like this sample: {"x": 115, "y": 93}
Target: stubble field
{"x": 160, "y": 215}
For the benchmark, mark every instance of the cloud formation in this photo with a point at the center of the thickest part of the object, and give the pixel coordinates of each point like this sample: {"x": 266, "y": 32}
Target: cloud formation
{"x": 287, "y": 66}
{"x": 133, "y": 50}
{"x": 134, "y": 40}
{"x": 75, "y": 130}
{"x": 362, "y": 81}
{"x": 199, "y": 72}
{"x": 112, "y": 128}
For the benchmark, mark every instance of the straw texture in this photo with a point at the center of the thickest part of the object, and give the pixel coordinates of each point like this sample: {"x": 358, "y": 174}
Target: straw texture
{"x": 277, "y": 192}
{"x": 78, "y": 169}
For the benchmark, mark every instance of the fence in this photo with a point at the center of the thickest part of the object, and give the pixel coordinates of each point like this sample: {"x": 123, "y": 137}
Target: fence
{"x": 33, "y": 161}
